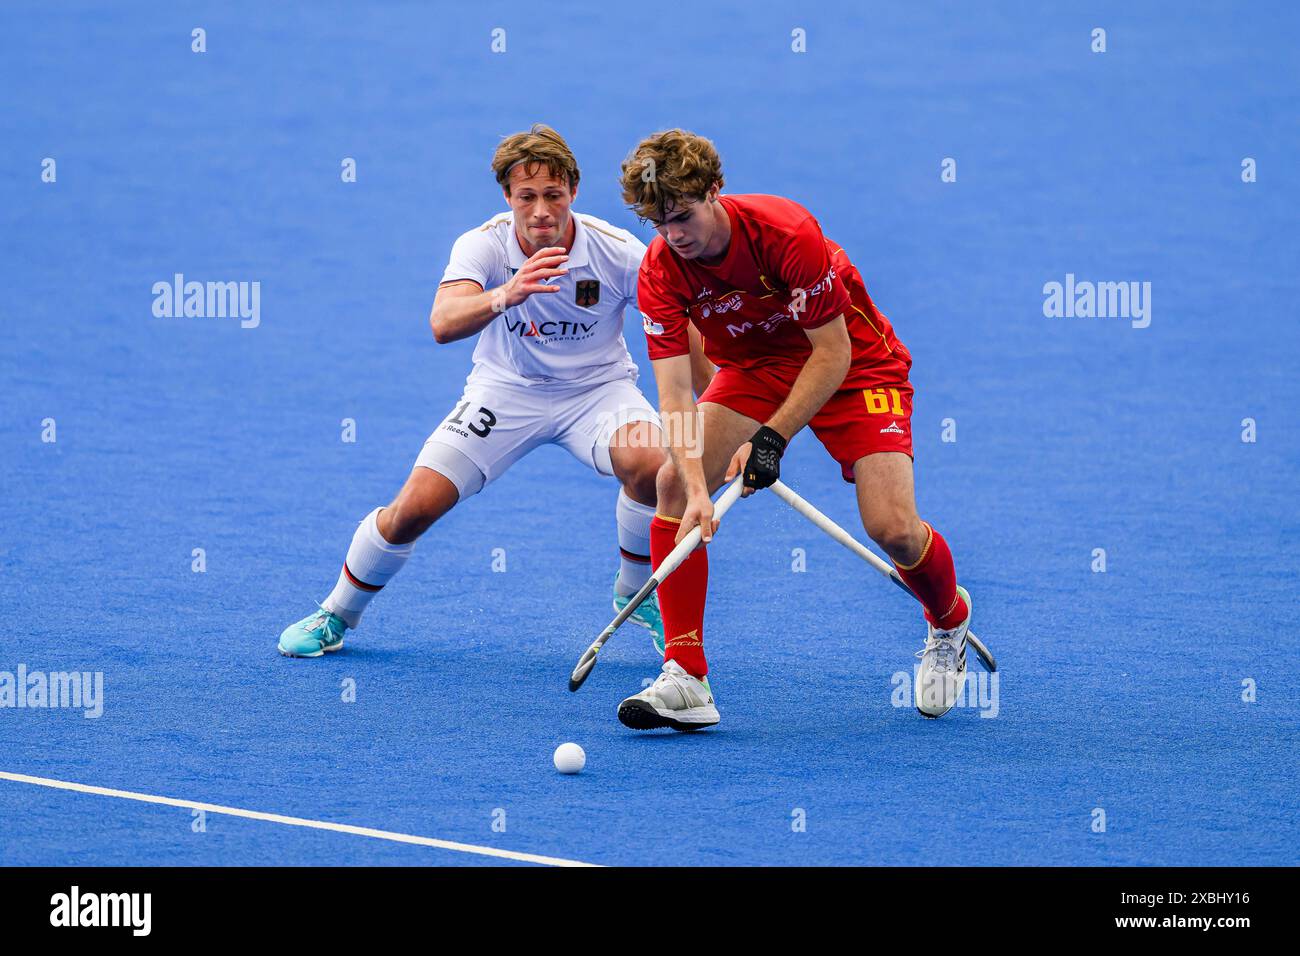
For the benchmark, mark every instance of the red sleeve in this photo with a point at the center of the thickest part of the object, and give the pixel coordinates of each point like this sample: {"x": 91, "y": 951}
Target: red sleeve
{"x": 664, "y": 310}
{"x": 804, "y": 262}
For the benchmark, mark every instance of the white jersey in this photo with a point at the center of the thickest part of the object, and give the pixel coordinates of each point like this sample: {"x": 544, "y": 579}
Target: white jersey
{"x": 570, "y": 337}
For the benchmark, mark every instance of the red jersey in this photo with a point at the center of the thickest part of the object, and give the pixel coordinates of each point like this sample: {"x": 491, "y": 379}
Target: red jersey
{"x": 779, "y": 276}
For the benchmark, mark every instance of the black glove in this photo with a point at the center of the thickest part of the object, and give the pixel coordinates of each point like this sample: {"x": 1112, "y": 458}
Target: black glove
{"x": 764, "y": 465}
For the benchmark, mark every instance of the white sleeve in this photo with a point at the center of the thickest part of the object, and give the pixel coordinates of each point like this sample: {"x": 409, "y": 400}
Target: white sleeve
{"x": 476, "y": 255}
{"x": 635, "y": 253}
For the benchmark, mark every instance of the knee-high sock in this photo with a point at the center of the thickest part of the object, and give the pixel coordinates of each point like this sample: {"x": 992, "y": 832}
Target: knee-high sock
{"x": 681, "y": 599}
{"x": 370, "y": 564}
{"x": 633, "y": 543}
{"x": 933, "y": 579}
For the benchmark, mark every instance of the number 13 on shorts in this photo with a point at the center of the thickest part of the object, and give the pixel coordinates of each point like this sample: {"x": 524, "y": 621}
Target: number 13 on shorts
{"x": 882, "y": 401}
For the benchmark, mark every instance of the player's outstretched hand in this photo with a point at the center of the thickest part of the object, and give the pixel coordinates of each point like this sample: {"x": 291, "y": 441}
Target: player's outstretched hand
{"x": 541, "y": 266}
{"x": 699, "y": 511}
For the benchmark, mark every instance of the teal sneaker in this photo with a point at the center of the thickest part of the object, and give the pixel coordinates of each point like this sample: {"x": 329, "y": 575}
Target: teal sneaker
{"x": 314, "y": 635}
{"x": 647, "y": 615}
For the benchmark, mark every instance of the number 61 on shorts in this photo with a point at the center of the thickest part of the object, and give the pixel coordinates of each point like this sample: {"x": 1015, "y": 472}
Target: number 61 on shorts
{"x": 881, "y": 401}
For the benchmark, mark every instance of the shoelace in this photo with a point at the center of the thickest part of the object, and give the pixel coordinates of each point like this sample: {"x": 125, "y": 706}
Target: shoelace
{"x": 671, "y": 680}
{"x": 944, "y": 650}
{"x": 323, "y": 621}
{"x": 678, "y": 683}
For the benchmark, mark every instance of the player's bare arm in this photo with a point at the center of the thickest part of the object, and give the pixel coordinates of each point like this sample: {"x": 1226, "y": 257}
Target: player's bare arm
{"x": 462, "y": 309}
{"x": 702, "y": 370}
{"x": 821, "y": 376}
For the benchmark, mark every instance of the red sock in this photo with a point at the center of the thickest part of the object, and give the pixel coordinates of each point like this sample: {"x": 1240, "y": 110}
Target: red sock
{"x": 681, "y": 599}
{"x": 933, "y": 579}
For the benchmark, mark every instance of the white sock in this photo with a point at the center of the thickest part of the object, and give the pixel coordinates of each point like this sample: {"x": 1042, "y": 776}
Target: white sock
{"x": 633, "y": 543}
{"x": 370, "y": 564}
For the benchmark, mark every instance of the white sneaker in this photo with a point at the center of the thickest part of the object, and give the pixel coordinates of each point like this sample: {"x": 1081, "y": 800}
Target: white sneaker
{"x": 675, "y": 700}
{"x": 941, "y": 677}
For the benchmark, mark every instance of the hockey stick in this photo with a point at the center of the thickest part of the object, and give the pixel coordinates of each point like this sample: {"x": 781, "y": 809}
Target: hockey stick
{"x": 784, "y": 492}
{"x": 666, "y": 567}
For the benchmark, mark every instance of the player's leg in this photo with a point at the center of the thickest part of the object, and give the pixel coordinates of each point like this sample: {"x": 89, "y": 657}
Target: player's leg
{"x": 472, "y": 446}
{"x": 682, "y": 595}
{"x": 381, "y": 546}
{"x": 887, "y": 504}
{"x": 869, "y": 432}
{"x": 427, "y": 495}
{"x": 720, "y": 431}
{"x": 681, "y": 698}
{"x": 636, "y": 454}
{"x": 386, "y": 537}
{"x": 613, "y": 429}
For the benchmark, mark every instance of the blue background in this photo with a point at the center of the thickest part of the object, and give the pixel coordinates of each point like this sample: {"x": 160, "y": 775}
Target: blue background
{"x": 1120, "y": 691}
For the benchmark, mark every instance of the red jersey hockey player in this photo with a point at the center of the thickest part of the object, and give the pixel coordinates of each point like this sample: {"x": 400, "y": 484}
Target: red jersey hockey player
{"x": 786, "y": 317}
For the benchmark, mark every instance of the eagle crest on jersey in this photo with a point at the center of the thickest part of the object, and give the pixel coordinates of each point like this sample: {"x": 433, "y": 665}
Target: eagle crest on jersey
{"x": 587, "y": 293}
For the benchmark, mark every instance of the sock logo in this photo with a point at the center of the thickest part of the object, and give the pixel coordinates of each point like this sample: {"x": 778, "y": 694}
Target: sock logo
{"x": 689, "y": 639}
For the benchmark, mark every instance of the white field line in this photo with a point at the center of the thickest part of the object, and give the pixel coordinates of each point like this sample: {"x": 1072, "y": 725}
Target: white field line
{"x": 292, "y": 821}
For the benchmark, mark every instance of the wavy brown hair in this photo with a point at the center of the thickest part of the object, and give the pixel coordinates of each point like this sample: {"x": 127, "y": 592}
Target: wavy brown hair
{"x": 666, "y": 168}
{"x": 541, "y": 146}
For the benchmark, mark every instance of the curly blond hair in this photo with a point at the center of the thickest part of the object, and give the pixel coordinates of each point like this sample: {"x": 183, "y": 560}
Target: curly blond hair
{"x": 540, "y": 146}
{"x": 666, "y": 168}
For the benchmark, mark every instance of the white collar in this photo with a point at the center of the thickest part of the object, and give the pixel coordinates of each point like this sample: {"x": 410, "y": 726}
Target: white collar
{"x": 578, "y": 255}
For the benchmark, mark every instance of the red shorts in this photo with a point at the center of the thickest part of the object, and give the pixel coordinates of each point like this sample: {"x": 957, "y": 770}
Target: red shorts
{"x": 853, "y": 423}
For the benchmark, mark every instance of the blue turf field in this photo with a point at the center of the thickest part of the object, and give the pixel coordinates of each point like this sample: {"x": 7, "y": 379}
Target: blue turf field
{"x": 1119, "y": 690}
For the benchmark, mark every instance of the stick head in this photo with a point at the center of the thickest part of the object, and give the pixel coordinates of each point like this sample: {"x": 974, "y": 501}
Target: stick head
{"x": 986, "y": 658}
{"x": 585, "y": 664}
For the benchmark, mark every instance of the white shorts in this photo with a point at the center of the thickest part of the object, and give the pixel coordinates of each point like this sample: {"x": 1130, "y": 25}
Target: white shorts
{"x": 493, "y": 426}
